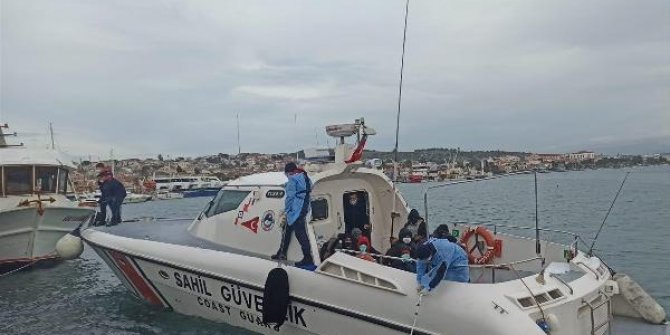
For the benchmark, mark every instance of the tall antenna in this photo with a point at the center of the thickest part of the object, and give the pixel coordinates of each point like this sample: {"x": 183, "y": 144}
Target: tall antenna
{"x": 538, "y": 247}
{"x": 111, "y": 159}
{"x": 239, "y": 147}
{"x": 595, "y": 239}
{"x": 397, "y": 123}
{"x": 295, "y": 131}
{"x": 402, "y": 67}
{"x": 51, "y": 132}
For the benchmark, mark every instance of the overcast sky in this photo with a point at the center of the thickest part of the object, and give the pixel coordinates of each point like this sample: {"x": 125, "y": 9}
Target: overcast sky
{"x": 149, "y": 77}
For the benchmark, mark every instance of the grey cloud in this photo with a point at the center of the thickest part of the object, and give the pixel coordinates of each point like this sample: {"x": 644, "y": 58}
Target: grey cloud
{"x": 170, "y": 76}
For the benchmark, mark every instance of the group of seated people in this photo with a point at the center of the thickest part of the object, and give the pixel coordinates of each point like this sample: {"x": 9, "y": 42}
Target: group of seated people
{"x": 433, "y": 258}
{"x": 403, "y": 248}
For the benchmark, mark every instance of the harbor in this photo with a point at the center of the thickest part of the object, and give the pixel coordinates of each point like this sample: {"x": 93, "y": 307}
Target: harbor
{"x": 325, "y": 168}
{"x": 99, "y": 303}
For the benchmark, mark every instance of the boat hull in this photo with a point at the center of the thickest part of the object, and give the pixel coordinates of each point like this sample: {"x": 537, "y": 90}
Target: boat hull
{"x": 194, "y": 277}
{"x": 28, "y": 236}
{"x": 234, "y": 302}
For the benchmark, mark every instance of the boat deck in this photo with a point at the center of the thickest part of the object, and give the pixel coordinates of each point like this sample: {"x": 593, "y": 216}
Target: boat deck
{"x": 169, "y": 231}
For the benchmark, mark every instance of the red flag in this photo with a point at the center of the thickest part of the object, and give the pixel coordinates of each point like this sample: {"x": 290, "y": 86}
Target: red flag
{"x": 358, "y": 152}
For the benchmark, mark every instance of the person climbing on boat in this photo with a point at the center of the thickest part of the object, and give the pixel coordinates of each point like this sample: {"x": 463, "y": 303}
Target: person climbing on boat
{"x": 402, "y": 248}
{"x": 112, "y": 194}
{"x": 417, "y": 225}
{"x": 437, "y": 260}
{"x": 101, "y": 214}
{"x": 297, "y": 202}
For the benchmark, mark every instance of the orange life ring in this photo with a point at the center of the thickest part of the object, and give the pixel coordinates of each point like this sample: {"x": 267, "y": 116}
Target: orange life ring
{"x": 487, "y": 257}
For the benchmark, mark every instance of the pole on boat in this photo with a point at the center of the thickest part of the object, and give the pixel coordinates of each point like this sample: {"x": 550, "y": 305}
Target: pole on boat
{"x": 538, "y": 247}
{"x": 239, "y": 147}
{"x": 51, "y": 132}
{"x": 425, "y": 205}
{"x": 397, "y": 125}
{"x": 590, "y": 253}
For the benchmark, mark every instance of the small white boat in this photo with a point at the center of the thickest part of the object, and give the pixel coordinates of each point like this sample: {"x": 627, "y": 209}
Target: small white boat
{"x": 174, "y": 183}
{"x": 216, "y": 267}
{"x": 132, "y": 198}
{"x": 35, "y": 212}
{"x": 166, "y": 195}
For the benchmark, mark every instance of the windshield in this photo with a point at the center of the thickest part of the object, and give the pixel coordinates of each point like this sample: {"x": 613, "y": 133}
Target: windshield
{"x": 225, "y": 201}
{"x": 18, "y": 180}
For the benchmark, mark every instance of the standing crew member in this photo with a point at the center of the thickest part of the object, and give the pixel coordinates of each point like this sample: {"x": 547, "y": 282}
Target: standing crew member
{"x": 439, "y": 259}
{"x": 296, "y": 205}
{"x": 113, "y": 193}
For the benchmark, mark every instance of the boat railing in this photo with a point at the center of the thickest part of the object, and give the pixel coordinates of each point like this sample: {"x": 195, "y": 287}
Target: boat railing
{"x": 575, "y": 238}
{"x": 490, "y": 266}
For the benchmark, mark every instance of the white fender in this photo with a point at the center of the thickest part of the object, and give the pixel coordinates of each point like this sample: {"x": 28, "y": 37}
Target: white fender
{"x": 69, "y": 246}
{"x": 633, "y": 298}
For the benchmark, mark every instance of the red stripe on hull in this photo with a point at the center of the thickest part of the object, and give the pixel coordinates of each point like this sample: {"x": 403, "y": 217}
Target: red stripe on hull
{"x": 135, "y": 279}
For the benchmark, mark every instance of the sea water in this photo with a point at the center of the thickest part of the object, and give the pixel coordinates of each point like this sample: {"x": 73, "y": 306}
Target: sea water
{"x": 84, "y": 297}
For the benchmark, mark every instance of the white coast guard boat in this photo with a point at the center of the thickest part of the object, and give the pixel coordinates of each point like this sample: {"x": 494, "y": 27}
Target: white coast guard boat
{"x": 216, "y": 267}
{"x": 34, "y": 210}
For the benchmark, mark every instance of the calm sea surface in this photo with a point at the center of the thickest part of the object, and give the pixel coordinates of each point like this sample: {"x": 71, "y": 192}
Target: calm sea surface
{"x": 84, "y": 297}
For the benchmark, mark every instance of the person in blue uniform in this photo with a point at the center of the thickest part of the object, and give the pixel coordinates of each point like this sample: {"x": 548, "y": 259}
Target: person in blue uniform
{"x": 112, "y": 195}
{"x": 439, "y": 259}
{"x": 296, "y": 205}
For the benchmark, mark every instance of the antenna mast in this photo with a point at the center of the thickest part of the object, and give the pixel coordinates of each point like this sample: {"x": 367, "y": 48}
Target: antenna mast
{"x": 51, "y": 132}
{"x": 239, "y": 148}
{"x": 397, "y": 125}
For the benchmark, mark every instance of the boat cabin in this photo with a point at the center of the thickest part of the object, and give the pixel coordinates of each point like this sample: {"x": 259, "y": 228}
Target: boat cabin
{"x": 25, "y": 171}
{"x": 247, "y": 213}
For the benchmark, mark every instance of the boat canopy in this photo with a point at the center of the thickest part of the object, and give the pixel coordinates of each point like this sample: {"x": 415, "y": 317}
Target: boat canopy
{"x": 28, "y": 156}
{"x": 26, "y": 171}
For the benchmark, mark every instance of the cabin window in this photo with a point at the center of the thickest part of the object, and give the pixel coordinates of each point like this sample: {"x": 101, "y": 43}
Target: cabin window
{"x": 62, "y": 181}
{"x": 226, "y": 200}
{"x": 319, "y": 209}
{"x": 45, "y": 179}
{"x": 18, "y": 180}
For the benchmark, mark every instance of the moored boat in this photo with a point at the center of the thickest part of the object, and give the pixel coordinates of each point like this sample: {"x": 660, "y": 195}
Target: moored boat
{"x": 216, "y": 267}
{"x": 35, "y": 212}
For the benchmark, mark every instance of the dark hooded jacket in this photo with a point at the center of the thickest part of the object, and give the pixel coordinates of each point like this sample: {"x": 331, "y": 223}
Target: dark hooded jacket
{"x": 401, "y": 249}
{"x": 419, "y": 231}
{"x": 112, "y": 192}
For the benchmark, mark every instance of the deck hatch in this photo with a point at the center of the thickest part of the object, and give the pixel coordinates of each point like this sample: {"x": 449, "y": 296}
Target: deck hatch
{"x": 541, "y": 298}
{"x": 347, "y": 273}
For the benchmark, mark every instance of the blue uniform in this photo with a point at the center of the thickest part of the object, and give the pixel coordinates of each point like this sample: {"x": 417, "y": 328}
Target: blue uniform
{"x": 449, "y": 262}
{"x": 296, "y": 206}
{"x": 296, "y": 203}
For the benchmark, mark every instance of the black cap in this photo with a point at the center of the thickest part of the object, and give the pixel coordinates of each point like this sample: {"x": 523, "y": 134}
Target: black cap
{"x": 290, "y": 167}
{"x": 442, "y": 231}
{"x": 425, "y": 250}
{"x": 404, "y": 233}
